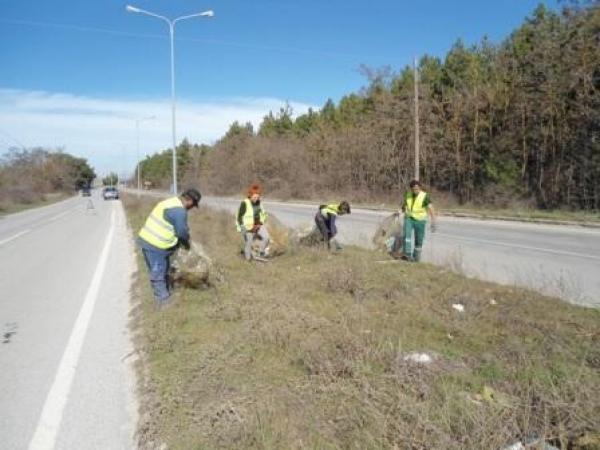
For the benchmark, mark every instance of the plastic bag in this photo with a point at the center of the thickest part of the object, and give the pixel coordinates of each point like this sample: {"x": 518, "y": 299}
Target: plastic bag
{"x": 389, "y": 236}
{"x": 191, "y": 268}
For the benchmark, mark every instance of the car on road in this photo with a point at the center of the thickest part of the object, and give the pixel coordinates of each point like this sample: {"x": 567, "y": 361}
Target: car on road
{"x": 110, "y": 193}
{"x": 86, "y": 192}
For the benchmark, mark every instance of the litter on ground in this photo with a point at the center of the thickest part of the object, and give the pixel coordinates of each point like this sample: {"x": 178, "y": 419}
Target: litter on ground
{"x": 420, "y": 358}
{"x": 459, "y": 307}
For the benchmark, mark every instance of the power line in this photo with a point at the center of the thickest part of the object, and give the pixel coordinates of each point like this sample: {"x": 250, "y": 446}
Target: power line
{"x": 80, "y": 28}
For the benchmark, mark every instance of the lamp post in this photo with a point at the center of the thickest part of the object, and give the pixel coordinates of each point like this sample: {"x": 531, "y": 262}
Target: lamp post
{"x": 137, "y": 140}
{"x": 171, "y": 23}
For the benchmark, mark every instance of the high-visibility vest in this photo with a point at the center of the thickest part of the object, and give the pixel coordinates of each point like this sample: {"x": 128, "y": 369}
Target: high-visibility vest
{"x": 157, "y": 231}
{"x": 413, "y": 207}
{"x": 248, "y": 219}
{"x": 332, "y": 208}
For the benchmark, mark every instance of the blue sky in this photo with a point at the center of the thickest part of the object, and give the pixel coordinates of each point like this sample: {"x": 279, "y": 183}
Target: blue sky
{"x": 84, "y": 70}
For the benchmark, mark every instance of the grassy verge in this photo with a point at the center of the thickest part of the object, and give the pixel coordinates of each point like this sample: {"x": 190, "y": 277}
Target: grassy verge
{"x": 11, "y": 208}
{"x": 309, "y": 352}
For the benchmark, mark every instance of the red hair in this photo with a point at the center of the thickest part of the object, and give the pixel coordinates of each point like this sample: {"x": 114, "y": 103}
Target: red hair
{"x": 254, "y": 189}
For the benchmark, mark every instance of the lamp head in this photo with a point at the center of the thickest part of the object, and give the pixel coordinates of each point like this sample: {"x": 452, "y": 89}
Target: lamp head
{"x": 132, "y": 9}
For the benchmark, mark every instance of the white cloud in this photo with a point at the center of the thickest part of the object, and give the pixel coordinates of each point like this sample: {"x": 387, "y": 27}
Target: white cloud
{"x": 103, "y": 129}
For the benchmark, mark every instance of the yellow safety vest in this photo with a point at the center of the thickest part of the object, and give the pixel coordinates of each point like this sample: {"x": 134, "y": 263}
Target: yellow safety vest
{"x": 157, "y": 231}
{"x": 248, "y": 219}
{"x": 332, "y": 208}
{"x": 414, "y": 206}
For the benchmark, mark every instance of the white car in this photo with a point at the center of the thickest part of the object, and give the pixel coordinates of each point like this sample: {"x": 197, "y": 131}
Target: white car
{"x": 110, "y": 193}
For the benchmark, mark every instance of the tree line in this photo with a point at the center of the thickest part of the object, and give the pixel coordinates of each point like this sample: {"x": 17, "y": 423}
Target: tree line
{"x": 513, "y": 123}
{"x": 26, "y": 175}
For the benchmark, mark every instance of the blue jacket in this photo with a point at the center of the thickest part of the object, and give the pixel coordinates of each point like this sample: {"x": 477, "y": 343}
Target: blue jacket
{"x": 178, "y": 218}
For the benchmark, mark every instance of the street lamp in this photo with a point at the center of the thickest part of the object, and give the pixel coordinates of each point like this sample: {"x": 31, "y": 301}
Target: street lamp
{"x": 171, "y": 23}
{"x": 137, "y": 138}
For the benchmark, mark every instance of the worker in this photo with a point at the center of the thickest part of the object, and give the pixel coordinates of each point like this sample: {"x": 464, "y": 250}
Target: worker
{"x": 416, "y": 206}
{"x": 165, "y": 230}
{"x": 325, "y": 220}
{"x": 250, "y": 222}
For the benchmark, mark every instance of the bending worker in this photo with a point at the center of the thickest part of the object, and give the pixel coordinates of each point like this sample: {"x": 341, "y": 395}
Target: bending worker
{"x": 417, "y": 205}
{"x": 251, "y": 218}
{"x": 325, "y": 219}
{"x": 165, "y": 230}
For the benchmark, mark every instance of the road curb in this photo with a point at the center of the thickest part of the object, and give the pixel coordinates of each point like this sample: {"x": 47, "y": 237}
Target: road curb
{"x": 524, "y": 219}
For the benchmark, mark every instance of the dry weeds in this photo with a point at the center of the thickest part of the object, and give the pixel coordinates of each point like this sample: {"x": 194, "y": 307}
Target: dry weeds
{"x": 307, "y": 352}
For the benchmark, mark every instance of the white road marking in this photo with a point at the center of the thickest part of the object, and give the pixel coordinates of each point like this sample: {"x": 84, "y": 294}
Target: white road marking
{"x": 14, "y": 236}
{"x": 525, "y": 247}
{"x": 48, "y": 426}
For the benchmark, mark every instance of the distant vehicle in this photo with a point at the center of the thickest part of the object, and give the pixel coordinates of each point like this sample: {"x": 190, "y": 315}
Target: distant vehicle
{"x": 110, "y": 193}
{"x": 86, "y": 192}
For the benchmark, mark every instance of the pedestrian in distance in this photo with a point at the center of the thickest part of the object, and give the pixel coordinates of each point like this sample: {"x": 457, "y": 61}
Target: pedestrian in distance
{"x": 165, "y": 230}
{"x": 250, "y": 222}
{"x": 325, "y": 220}
{"x": 416, "y": 207}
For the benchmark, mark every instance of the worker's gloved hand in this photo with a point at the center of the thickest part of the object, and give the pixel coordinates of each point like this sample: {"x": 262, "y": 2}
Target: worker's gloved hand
{"x": 433, "y": 227}
{"x": 255, "y": 228}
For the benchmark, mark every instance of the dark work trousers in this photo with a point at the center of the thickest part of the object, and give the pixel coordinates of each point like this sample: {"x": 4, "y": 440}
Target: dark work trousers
{"x": 324, "y": 228}
{"x": 158, "y": 265}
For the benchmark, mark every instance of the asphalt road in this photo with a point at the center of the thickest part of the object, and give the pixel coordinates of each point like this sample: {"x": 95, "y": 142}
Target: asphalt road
{"x": 557, "y": 260}
{"x": 67, "y": 380}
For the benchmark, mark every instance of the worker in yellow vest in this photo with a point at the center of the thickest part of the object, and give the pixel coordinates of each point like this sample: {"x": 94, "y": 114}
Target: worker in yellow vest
{"x": 416, "y": 207}
{"x": 250, "y": 221}
{"x": 325, "y": 220}
{"x": 165, "y": 230}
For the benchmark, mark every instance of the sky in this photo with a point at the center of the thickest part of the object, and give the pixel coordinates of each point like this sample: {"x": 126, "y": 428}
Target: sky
{"x": 77, "y": 74}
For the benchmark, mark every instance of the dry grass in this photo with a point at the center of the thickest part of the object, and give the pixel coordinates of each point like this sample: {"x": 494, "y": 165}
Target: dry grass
{"x": 10, "y": 204}
{"x": 307, "y": 352}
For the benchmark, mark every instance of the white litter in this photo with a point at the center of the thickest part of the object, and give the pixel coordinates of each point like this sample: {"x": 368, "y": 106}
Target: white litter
{"x": 421, "y": 358}
{"x": 493, "y": 302}
{"x": 515, "y": 446}
{"x": 459, "y": 307}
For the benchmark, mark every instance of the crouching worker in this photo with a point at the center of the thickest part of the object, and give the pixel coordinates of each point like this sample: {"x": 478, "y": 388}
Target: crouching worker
{"x": 251, "y": 218}
{"x": 325, "y": 220}
{"x": 165, "y": 230}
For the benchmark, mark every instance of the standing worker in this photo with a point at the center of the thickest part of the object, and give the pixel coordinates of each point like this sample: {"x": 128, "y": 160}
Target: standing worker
{"x": 250, "y": 221}
{"x": 165, "y": 230}
{"x": 325, "y": 220}
{"x": 417, "y": 205}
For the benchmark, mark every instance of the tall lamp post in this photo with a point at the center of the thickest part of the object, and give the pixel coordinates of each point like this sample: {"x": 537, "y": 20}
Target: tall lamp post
{"x": 171, "y": 23}
{"x": 137, "y": 145}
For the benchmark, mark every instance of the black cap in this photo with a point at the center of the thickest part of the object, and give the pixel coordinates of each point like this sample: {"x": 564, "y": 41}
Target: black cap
{"x": 193, "y": 194}
{"x": 344, "y": 207}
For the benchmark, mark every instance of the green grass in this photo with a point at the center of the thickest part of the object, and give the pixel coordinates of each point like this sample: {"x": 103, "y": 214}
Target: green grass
{"x": 308, "y": 352}
{"x": 11, "y": 208}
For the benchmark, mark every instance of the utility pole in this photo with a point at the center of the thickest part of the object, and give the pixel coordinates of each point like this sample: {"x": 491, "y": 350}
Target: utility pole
{"x": 416, "y": 76}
